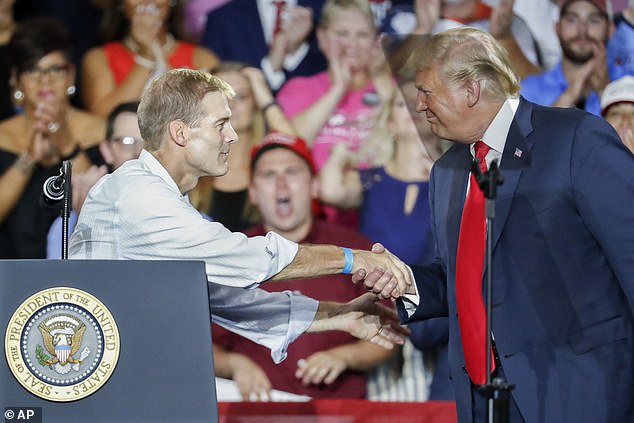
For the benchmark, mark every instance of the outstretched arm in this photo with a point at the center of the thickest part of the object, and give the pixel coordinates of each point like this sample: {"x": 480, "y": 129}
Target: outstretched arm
{"x": 320, "y": 260}
{"x": 363, "y": 318}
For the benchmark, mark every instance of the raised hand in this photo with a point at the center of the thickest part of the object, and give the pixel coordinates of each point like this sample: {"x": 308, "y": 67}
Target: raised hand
{"x": 144, "y": 29}
{"x": 259, "y": 87}
{"x": 297, "y": 24}
{"x": 501, "y": 19}
{"x": 427, "y": 15}
{"x": 599, "y": 77}
{"x": 50, "y": 131}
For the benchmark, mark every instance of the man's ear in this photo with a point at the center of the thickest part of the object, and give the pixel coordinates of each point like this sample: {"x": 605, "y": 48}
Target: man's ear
{"x": 473, "y": 92}
{"x": 178, "y": 132}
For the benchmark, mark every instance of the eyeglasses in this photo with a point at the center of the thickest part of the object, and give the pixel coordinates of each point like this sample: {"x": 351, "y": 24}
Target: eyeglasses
{"x": 55, "y": 72}
{"x": 126, "y": 140}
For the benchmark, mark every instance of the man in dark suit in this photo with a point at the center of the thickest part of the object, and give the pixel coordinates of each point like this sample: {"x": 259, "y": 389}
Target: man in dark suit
{"x": 246, "y": 31}
{"x": 562, "y": 237}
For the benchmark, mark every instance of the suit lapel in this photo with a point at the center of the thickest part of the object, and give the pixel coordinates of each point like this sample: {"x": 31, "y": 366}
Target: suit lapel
{"x": 457, "y": 194}
{"x": 514, "y": 158}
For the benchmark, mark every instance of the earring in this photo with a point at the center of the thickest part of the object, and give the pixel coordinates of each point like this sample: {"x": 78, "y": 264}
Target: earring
{"x": 18, "y": 95}
{"x": 71, "y": 90}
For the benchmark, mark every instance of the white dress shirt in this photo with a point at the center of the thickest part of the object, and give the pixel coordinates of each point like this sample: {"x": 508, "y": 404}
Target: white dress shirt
{"x": 138, "y": 213}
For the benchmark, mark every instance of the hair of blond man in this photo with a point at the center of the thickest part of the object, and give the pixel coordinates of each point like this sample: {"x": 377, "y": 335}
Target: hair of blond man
{"x": 176, "y": 95}
{"x": 467, "y": 54}
{"x": 332, "y": 8}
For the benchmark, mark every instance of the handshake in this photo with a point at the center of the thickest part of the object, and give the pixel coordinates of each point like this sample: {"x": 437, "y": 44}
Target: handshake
{"x": 382, "y": 273}
{"x": 364, "y": 317}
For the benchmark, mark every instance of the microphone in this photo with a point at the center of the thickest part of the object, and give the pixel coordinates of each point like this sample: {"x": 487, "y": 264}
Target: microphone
{"x": 53, "y": 191}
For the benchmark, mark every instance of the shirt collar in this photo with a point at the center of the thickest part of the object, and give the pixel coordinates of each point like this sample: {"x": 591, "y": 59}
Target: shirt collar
{"x": 498, "y": 130}
{"x": 157, "y": 169}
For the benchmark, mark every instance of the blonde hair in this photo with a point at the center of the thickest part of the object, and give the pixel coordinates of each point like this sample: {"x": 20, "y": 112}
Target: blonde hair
{"x": 174, "y": 95}
{"x": 465, "y": 54}
{"x": 333, "y": 7}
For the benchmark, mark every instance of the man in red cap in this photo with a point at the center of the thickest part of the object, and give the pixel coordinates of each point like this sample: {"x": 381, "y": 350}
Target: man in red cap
{"x": 284, "y": 186}
{"x": 580, "y": 78}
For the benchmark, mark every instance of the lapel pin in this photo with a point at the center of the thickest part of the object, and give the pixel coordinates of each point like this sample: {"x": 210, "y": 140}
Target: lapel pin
{"x": 518, "y": 153}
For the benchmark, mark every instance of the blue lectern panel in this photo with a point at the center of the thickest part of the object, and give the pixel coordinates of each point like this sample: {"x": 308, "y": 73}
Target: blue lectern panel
{"x": 164, "y": 370}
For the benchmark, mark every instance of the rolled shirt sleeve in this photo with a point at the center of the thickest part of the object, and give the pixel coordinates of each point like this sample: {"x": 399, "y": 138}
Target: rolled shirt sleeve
{"x": 271, "y": 319}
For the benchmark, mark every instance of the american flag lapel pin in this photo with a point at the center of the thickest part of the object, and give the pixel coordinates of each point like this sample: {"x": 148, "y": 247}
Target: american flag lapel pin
{"x": 518, "y": 153}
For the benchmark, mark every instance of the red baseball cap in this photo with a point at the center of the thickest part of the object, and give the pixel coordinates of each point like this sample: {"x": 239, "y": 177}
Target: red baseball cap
{"x": 280, "y": 140}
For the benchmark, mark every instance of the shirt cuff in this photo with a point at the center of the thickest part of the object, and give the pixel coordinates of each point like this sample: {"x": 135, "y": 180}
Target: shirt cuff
{"x": 411, "y": 301}
{"x": 273, "y": 77}
{"x": 303, "y": 310}
{"x": 291, "y": 61}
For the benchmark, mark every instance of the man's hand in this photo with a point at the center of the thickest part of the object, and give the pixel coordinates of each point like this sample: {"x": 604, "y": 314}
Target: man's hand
{"x": 363, "y": 318}
{"x": 501, "y": 19}
{"x": 427, "y": 15}
{"x": 252, "y": 382}
{"x": 298, "y": 22}
{"x": 320, "y": 367}
{"x": 396, "y": 277}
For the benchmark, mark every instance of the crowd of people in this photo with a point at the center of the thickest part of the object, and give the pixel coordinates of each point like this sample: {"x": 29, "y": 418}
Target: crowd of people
{"x": 333, "y": 125}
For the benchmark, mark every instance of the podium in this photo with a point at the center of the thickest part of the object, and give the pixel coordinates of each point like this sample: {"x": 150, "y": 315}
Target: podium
{"x": 107, "y": 341}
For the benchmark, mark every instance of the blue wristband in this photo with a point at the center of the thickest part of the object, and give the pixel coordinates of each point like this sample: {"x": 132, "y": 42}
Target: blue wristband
{"x": 347, "y": 268}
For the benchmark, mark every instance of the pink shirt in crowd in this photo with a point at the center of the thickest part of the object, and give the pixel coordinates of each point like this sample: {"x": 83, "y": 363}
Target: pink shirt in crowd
{"x": 351, "y": 121}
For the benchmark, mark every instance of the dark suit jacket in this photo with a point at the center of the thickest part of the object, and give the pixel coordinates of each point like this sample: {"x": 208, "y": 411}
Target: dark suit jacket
{"x": 234, "y": 32}
{"x": 563, "y": 266}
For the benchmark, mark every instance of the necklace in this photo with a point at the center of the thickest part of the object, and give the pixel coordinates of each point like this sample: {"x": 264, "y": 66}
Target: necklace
{"x": 134, "y": 46}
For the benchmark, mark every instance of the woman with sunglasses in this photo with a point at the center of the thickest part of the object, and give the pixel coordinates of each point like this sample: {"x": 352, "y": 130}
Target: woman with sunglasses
{"x": 34, "y": 143}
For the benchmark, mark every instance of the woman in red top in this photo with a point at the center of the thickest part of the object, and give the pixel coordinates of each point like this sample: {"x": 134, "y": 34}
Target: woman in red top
{"x": 138, "y": 48}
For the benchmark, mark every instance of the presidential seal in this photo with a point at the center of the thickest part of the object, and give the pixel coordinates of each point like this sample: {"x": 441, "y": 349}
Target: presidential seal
{"x": 62, "y": 344}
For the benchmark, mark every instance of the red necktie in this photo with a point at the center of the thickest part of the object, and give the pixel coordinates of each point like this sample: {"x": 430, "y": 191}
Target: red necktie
{"x": 279, "y": 9}
{"x": 469, "y": 268}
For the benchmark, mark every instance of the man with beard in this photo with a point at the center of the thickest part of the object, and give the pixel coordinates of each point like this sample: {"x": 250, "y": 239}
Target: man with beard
{"x": 580, "y": 78}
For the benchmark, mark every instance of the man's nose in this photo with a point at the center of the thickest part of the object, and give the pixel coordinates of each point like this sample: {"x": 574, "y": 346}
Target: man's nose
{"x": 421, "y": 102}
{"x": 280, "y": 181}
{"x": 231, "y": 136}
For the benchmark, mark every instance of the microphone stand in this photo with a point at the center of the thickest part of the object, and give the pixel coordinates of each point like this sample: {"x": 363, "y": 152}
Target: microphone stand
{"x": 66, "y": 173}
{"x": 497, "y": 391}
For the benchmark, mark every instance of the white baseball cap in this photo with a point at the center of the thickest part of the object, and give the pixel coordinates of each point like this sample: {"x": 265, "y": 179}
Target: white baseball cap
{"x": 618, "y": 91}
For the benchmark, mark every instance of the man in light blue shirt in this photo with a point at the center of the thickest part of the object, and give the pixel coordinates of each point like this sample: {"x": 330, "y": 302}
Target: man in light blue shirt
{"x": 580, "y": 78}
